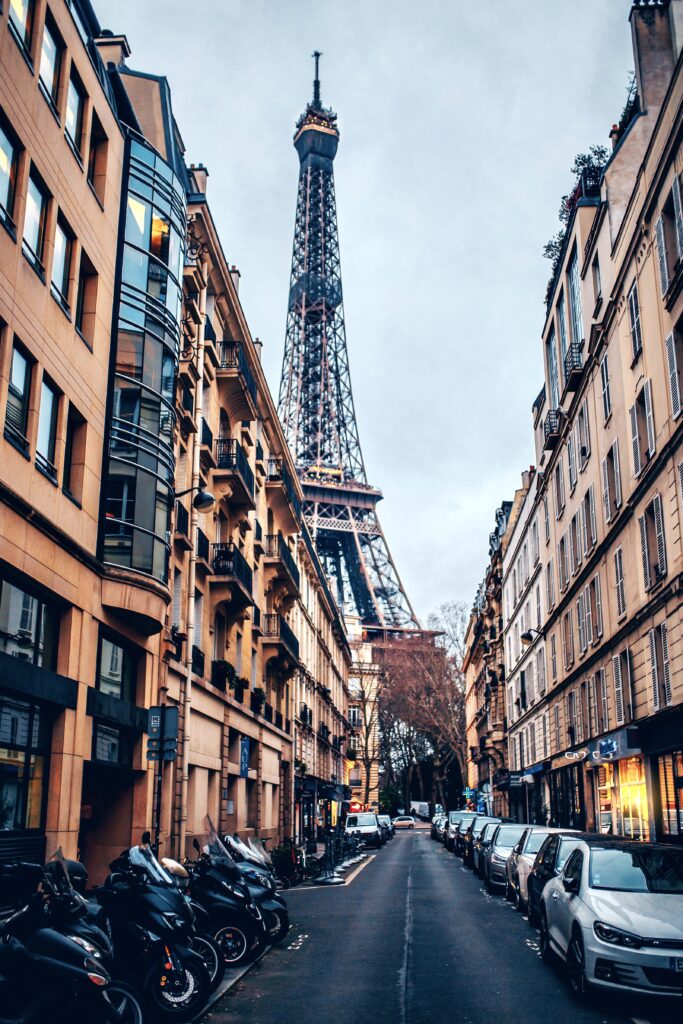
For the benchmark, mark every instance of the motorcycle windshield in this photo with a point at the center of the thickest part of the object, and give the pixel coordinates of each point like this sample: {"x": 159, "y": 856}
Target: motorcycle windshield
{"x": 57, "y": 872}
{"x": 259, "y": 850}
{"x": 143, "y": 857}
{"x": 214, "y": 845}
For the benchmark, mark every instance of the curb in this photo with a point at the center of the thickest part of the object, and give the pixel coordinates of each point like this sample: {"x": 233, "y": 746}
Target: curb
{"x": 232, "y": 976}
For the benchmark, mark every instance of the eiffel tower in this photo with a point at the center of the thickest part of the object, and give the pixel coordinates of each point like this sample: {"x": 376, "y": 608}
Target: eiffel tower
{"x": 316, "y": 402}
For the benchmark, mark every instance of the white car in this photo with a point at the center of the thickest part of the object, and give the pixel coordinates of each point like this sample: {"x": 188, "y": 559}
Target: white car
{"x": 521, "y": 861}
{"x": 615, "y": 915}
{"x": 365, "y": 827}
{"x": 404, "y": 821}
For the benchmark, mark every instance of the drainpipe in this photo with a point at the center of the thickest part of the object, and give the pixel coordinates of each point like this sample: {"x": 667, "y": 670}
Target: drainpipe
{"x": 192, "y": 576}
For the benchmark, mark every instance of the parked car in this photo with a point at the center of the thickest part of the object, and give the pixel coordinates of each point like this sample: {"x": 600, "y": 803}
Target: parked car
{"x": 386, "y": 825}
{"x": 549, "y": 861}
{"x": 437, "y": 821}
{"x": 615, "y": 916}
{"x": 475, "y": 828}
{"x": 404, "y": 821}
{"x": 497, "y": 853}
{"x": 365, "y": 827}
{"x": 521, "y": 861}
{"x": 454, "y": 819}
{"x": 481, "y": 843}
{"x": 442, "y": 828}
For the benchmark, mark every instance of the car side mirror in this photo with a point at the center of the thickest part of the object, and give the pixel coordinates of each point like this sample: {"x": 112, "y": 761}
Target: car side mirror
{"x": 571, "y": 885}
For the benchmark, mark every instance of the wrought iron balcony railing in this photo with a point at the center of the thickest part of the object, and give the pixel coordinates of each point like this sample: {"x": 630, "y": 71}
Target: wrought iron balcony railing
{"x": 209, "y": 332}
{"x": 573, "y": 366}
{"x": 228, "y": 560}
{"x": 259, "y": 452}
{"x": 197, "y": 661}
{"x": 182, "y": 520}
{"x": 202, "y": 545}
{"x": 276, "y": 547}
{"x": 230, "y": 455}
{"x": 551, "y": 428}
{"x": 232, "y": 357}
{"x": 207, "y": 435}
{"x": 275, "y": 627}
{"x": 187, "y": 399}
{"x": 276, "y": 471}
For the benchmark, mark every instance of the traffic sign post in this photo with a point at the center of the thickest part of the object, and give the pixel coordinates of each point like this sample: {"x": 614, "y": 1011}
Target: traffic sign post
{"x": 162, "y": 745}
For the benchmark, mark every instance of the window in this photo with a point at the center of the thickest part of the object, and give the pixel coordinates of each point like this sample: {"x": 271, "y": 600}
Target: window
{"x": 568, "y": 639}
{"x": 47, "y": 429}
{"x": 602, "y": 701}
{"x": 553, "y": 378}
{"x": 606, "y": 396}
{"x": 574, "y": 544}
{"x": 669, "y": 235}
{"x": 550, "y": 584}
{"x": 538, "y": 607}
{"x": 97, "y": 157}
{"x": 621, "y": 673}
{"x": 642, "y": 428}
{"x": 553, "y": 657}
{"x": 546, "y": 519}
{"x": 18, "y": 395}
{"x": 37, "y": 198}
{"x": 61, "y": 263}
{"x": 21, "y": 14}
{"x": 571, "y": 718}
{"x": 575, "y": 299}
{"x": 116, "y": 670}
{"x": 74, "y": 454}
{"x": 583, "y": 435}
{"x": 652, "y": 544}
{"x": 670, "y": 775}
{"x": 581, "y": 623}
{"x": 660, "y": 672}
{"x": 540, "y": 671}
{"x": 673, "y": 357}
{"x": 86, "y": 299}
{"x": 611, "y": 482}
{"x": 9, "y": 158}
{"x": 51, "y": 53}
{"x": 619, "y": 582}
{"x": 597, "y": 284}
{"x": 558, "y": 734}
{"x": 563, "y": 562}
{"x": 25, "y": 734}
{"x": 592, "y": 598}
{"x": 30, "y": 628}
{"x": 535, "y": 547}
{"x": 559, "y": 489}
{"x": 571, "y": 462}
{"x": 588, "y": 523}
{"x": 75, "y": 107}
{"x": 634, "y": 321}
{"x": 562, "y": 330}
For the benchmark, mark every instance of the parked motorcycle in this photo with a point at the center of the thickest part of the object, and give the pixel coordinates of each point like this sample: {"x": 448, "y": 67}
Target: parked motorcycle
{"x": 258, "y": 880}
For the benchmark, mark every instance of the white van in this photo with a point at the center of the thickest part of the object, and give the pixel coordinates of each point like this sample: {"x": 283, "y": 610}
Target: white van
{"x": 365, "y": 827}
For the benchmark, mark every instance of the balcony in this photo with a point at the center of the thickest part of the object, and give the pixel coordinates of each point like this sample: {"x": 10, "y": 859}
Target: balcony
{"x": 186, "y": 409}
{"x": 210, "y": 343}
{"x": 259, "y": 546}
{"x": 282, "y": 492}
{"x": 551, "y": 429}
{"x": 279, "y": 640}
{"x": 220, "y": 674}
{"x": 231, "y": 579}
{"x": 260, "y": 459}
{"x": 280, "y": 567}
{"x": 236, "y": 382}
{"x": 573, "y": 367}
{"x": 268, "y": 712}
{"x": 306, "y": 715}
{"x": 206, "y": 451}
{"x": 197, "y": 661}
{"x": 181, "y": 533}
{"x": 256, "y": 621}
{"x": 233, "y": 475}
{"x": 202, "y": 550}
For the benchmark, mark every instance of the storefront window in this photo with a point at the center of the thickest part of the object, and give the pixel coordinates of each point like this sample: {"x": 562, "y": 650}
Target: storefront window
{"x": 116, "y": 670}
{"x": 633, "y": 798}
{"x": 670, "y": 779}
{"x": 28, "y": 628}
{"x": 24, "y": 741}
{"x": 608, "y": 818}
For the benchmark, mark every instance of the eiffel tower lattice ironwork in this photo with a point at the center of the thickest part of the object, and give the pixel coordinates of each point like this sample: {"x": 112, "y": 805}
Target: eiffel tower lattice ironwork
{"x": 316, "y": 402}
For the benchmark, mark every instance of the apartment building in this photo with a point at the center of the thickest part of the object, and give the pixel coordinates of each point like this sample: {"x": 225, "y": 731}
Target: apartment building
{"x": 150, "y": 526}
{"x": 610, "y": 482}
{"x": 365, "y": 685}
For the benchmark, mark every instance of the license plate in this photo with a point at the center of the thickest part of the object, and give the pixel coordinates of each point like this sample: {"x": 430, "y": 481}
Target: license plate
{"x": 676, "y": 963}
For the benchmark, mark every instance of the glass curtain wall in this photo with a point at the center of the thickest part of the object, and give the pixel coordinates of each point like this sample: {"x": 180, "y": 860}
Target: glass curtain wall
{"x": 141, "y": 462}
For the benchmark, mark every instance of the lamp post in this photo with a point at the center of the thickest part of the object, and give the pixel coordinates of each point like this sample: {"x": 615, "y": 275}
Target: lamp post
{"x": 529, "y": 635}
{"x": 203, "y": 500}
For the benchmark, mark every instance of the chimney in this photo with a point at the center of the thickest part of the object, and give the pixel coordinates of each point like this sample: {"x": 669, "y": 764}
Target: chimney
{"x": 235, "y": 275}
{"x": 200, "y": 175}
{"x": 113, "y": 49}
{"x": 652, "y": 28}
{"x": 258, "y": 345}
{"x": 615, "y": 135}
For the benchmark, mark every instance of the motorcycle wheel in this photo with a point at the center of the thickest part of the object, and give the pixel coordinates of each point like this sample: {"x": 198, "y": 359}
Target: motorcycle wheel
{"x": 212, "y": 955}
{"x": 234, "y": 945}
{"x": 125, "y": 1006}
{"x": 280, "y": 926}
{"x": 187, "y": 1000}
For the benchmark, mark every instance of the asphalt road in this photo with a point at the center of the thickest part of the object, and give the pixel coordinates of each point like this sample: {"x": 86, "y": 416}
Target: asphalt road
{"x": 414, "y": 939}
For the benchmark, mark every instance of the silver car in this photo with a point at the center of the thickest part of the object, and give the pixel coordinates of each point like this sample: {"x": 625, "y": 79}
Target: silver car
{"x": 615, "y": 916}
{"x": 521, "y": 861}
{"x": 497, "y": 853}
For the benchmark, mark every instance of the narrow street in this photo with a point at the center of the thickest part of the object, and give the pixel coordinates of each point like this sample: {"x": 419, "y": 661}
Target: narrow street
{"x": 414, "y": 939}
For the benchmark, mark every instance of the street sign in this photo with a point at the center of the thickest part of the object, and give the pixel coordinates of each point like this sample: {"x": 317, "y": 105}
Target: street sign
{"x": 162, "y": 733}
{"x": 244, "y": 757}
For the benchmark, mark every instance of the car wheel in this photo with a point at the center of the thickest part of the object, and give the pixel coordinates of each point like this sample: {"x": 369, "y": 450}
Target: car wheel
{"x": 489, "y": 885}
{"x": 519, "y": 902}
{"x": 576, "y": 969}
{"x": 509, "y": 891}
{"x": 544, "y": 940}
{"x": 532, "y": 913}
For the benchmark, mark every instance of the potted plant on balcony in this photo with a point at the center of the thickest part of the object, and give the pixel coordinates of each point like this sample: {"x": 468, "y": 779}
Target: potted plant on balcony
{"x": 300, "y": 766}
{"x": 258, "y": 699}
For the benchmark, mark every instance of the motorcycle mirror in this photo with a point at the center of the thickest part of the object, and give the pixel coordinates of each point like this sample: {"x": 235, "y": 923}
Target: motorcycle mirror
{"x": 146, "y": 838}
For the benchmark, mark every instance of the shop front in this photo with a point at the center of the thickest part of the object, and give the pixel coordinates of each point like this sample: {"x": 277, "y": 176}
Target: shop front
{"x": 566, "y": 787}
{"x": 662, "y": 740}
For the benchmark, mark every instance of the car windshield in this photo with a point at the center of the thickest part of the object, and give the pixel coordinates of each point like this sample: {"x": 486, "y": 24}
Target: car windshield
{"x": 508, "y": 835}
{"x": 535, "y": 841}
{"x": 489, "y": 829}
{"x": 643, "y": 870}
{"x": 354, "y": 820}
{"x": 454, "y": 817}
{"x": 567, "y": 846}
{"x": 479, "y": 826}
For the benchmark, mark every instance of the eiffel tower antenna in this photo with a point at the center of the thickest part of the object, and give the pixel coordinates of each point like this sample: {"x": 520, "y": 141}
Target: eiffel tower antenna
{"x": 316, "y": 401}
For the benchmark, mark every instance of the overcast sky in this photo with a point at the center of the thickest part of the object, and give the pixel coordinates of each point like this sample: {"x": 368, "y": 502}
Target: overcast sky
{"x": 459, "y": 121}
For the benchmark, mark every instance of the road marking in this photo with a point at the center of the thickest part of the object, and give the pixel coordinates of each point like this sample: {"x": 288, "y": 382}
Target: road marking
{"x": 403, "y": 970}
{"x": 639, "y": 1020}
{"x": 359, "y": 869}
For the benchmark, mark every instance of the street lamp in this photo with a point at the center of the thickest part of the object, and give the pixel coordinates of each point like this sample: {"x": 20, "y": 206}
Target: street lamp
{"x": 527, "y": 636}
{"x": 203, "y": 500}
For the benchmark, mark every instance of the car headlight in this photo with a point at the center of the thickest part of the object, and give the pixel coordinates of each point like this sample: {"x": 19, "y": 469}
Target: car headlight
{"x": 616, "y": 936}
{"x": 87, "y": 946}
{"x": 173, "y": 921}
{"x": 497, "y": 859}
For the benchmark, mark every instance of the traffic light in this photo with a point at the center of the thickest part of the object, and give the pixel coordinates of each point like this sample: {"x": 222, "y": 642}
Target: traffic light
{"x": 162, "y": 733}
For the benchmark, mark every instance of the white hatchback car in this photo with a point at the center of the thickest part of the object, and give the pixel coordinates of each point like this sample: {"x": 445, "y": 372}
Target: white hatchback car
{"x": 615, "y": 915}
{"x": 521, "y": 861}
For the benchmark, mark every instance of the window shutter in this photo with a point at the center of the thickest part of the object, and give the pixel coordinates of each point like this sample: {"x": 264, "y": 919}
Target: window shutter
{"x": 618, "y": 690}
{"x": 605, "y": 491}
{"x": 177, "y": 597}
{"x": 589, "y": 615}
{"x": 678, "y": 214}
{"x": 674, "y": 382}
{"x": 565, "y": 652}
{"x": 570, "y": 622}
{"x": 571, "y": 461}
{"x": 581, "y": 619}
{"x": 659, "y": 534}
{"x": 604, "y": 376}
{"x": 591, "y": 507}
{"x": 578, "y": 704}
{"x": 652, "y": 640}
{"x": 540, "y": 671}
{"x": 662, "y": 257}
{"x": 585, "y": 433}
{"x": 572, "y": 562}
{"x": 647, "y": 388}
{"x": 643, "y": 547}
{"x": 560, "y": 475}
{"x": 603, "y": 700}
{"x": 583, "y": 519}
{"x": 598, "y": 606}
{"x": 666, "y": 671}
{"x": 635, "y": 440}
{"x": 592, "y": 707}
{"x": 617, "y": 473}
{"x": 619, "y": 579}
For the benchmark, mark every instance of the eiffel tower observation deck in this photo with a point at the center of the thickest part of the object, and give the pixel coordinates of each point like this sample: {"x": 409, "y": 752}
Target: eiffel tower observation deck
{"x": 316, "y": 400}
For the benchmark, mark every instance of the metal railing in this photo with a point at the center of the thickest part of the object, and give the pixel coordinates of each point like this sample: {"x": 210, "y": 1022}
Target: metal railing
{"x": 275, "y": 626}
{"x": 187, "y": 399}
{"x": 228, "y": 560}
{"x": 197, "y": 661}
{"x": 276, "y": 547}
{"x": 202, "y": 545}
{"x": 277, "y": 470}
{"x": 219, "y": 674}
{"x": 256, "y": 617}
{"x": 209, "y": 332}
{"x": 232, "y": 357}
{"x": 207, "y": 435}
{"x": 551, "y": 425}
{"x": 259, "y": 452}
{"x": 182, "y": 520}
{"x": 268, "y": 712}
{"x": 230, "y": 455}
{"x": 258, "y": 531}
{"x": 572, "y": 361}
